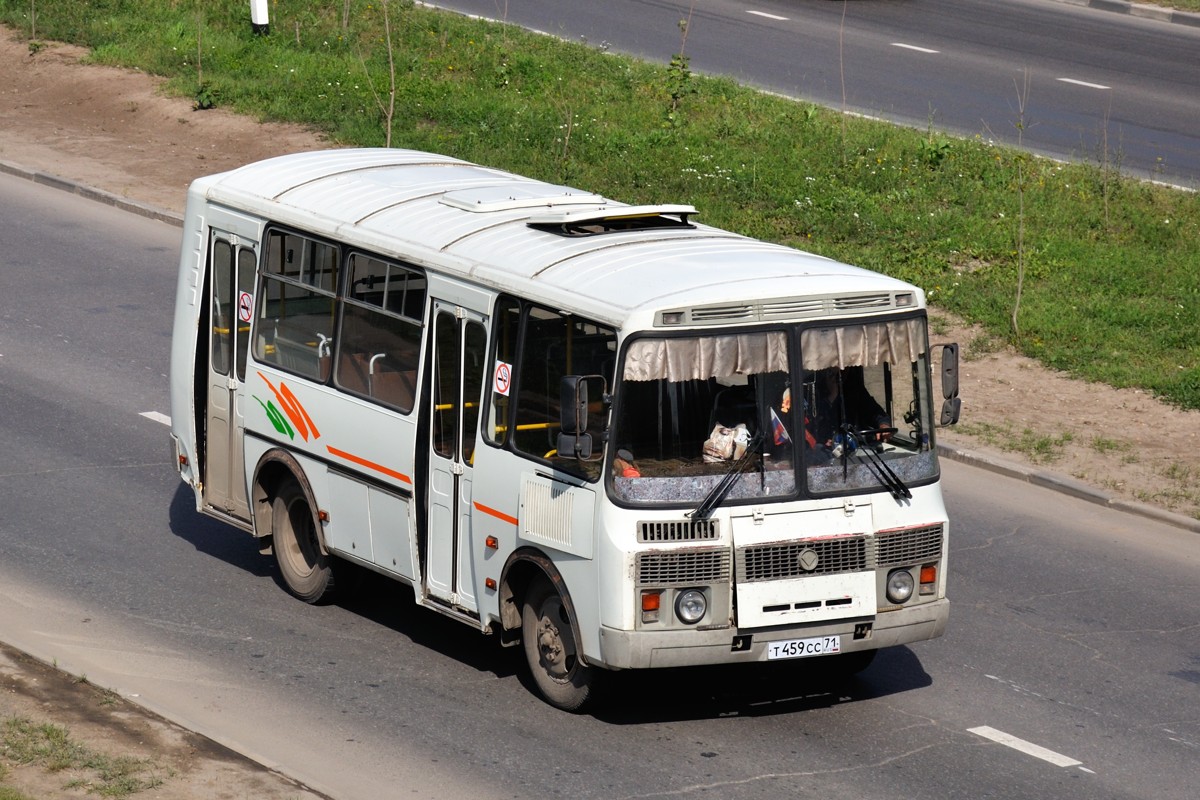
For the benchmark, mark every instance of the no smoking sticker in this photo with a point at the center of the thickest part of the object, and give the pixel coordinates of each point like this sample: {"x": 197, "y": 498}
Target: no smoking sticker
{"x": 245, "y": 306}
{"x": 502, "y": 380}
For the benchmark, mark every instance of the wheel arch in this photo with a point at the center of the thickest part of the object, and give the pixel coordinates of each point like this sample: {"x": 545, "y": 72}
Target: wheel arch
{"x": 523, "y": 568}
{"x": 274, "y": 468}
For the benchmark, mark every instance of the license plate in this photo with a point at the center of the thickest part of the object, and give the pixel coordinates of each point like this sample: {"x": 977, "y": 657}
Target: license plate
{"x": 803, "y": 648}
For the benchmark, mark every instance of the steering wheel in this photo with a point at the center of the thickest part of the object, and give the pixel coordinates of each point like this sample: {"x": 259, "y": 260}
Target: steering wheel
{"x": 874, "y": 435}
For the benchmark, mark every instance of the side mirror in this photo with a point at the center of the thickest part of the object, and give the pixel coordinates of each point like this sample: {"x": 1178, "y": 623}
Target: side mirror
{"x": 952, "y": 406}
{"x": 573, "y": 438}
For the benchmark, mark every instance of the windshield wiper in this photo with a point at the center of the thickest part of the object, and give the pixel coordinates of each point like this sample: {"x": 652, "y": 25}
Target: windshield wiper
{"x": 875, "y": 463}
{"x": 718, "y": 493}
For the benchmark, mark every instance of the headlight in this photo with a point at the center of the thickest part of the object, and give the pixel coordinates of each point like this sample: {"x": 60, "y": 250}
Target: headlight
{"x": 900, "y": 585}
{"x": 690, "y": 606}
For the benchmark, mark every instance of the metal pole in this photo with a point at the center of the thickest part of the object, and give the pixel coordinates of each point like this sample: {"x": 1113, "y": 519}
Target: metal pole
{"x": 259, "y": 22}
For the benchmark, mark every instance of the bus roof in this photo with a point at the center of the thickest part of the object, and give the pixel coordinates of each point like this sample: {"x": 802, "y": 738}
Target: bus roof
{"x": 567, "y": 248}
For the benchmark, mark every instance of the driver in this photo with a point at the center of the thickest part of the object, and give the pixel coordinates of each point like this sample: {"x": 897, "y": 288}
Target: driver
{"x": 839, "y": 397}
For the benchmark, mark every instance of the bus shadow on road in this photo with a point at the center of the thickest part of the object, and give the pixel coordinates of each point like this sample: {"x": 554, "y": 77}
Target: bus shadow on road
{"x": 754, "y": 690}
{"x": 628, "y": 698}
{"x": 213, "y": 537}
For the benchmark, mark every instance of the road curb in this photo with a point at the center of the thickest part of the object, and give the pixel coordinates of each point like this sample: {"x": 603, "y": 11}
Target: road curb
{"x": 91, "y": 193}
{"x": 1143, "y": 10}
{"x": 1067, "y": 486}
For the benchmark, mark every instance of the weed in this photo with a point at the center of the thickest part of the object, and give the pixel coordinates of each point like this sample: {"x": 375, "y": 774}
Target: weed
{"x": 206, "y": 97}
{"x": 982, "y": 345}
{"x": 1038, "y": 447}
{"x": 1102, "y": 444}
{"x": 933, "y": 150}
{"x": 679, "y": 77}
{"x": 25, "y": 742}
{"x": 1180, "y": 473}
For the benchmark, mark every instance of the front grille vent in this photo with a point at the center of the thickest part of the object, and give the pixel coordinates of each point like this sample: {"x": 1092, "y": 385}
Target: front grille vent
{"x": 722, "y": 314}
{"x": 909, "y": 546}
{"x": 683, "y": 530}
{"x": 769, "y": 562}
{"x": 782, "y": 308}
{"x": 862, "y": 301}
{"x": 683, "y": 568}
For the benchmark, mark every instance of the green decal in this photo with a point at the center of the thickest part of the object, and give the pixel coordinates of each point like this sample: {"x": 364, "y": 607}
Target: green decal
{"x": 276, "y": 418}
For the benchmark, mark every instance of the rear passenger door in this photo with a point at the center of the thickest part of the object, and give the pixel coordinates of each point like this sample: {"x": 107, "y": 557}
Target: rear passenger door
{"x": 459, "y": 351}
{"x": 231, "y": 307}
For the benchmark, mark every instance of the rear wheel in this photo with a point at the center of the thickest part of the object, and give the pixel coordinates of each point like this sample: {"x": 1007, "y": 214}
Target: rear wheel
{"x": 307, "y": 572}
{"x": 552, "y": 649}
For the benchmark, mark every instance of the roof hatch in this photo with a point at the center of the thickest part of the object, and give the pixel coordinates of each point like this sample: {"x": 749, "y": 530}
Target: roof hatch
{"x": 589, "y": 222}
{"x": 512, "y": 196}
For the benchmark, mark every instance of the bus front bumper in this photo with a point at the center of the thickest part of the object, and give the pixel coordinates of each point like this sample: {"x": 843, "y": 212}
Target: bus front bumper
{"x": 690, "y": 647}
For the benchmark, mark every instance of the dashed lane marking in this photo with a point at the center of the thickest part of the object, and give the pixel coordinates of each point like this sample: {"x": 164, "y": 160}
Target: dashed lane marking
{"x": 1028, "y": 748}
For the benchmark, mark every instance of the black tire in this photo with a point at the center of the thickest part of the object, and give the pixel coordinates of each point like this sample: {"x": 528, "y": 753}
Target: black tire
{"x": 550, "y": 641}
{"x": 306, "y": 571}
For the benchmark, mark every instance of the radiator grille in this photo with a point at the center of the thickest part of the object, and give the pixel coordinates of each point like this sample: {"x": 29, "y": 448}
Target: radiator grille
{"x": 909, "y": 546}
{"x": 683, "y": 568}
{"x": 770, "y": 562}
{"x": 684, "y": 530}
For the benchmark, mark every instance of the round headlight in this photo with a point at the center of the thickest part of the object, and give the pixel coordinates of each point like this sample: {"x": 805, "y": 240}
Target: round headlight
{"x": 900, "y": 585}
{"x": 690, "y": 606}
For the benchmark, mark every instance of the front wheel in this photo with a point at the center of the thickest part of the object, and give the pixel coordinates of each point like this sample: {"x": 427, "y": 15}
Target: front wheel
{"x": 552, "y": 650}
{"x": 307, "y": 572}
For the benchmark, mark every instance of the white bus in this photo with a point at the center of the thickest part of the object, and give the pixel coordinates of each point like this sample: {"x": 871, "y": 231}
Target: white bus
{"x": 615, "y": 436}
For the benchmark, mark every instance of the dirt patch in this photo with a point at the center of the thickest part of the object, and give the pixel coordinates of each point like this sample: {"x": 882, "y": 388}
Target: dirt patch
{"x": 1122, "y": 441}
{"x": 169, "y": 761}
{"x": 112, "y": 129}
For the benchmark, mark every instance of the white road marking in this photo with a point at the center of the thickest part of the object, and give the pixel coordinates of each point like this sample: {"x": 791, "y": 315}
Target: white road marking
{"x": 1028, "y": 748}
{"x": 1085, "y": 83}
{"x": 768, "y": 16}
{"x": 914, "y": 47}
{"x": 157, "y": 417}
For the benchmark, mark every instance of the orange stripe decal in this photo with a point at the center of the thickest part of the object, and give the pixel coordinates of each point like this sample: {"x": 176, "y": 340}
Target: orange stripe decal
{"x": 286, "y": 391}
{"x": 495, "y": 513}
{"x": 294, "y": 410}
{"x": 362, "y": 462}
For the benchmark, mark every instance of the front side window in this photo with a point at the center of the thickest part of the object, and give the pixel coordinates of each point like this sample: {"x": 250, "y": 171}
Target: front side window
{"x": 534, "y": 348}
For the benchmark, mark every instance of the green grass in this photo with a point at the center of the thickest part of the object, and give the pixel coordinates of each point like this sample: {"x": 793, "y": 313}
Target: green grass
{"x": 1039, "y": 448}
{"x": 1182, "y": 5}
{"x": 1112, "y": 266}
{"x": 50, "y": 747}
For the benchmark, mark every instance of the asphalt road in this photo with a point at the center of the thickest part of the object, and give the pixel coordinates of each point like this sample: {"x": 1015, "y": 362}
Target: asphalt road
{"x": 1084, "y": 84}
{"x": 1071, "y": 668}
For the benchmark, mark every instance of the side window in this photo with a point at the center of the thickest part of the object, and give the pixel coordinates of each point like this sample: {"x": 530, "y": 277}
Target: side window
{"x": 474, "y": 371}
{"x": 554, "y": 345}
{"x": 505, "y": 326}
{"x": 223, "y": 318}
{"x": 245, "y": 284}
{"x": 295, "y": 305}
{"x": 379, "y": 343}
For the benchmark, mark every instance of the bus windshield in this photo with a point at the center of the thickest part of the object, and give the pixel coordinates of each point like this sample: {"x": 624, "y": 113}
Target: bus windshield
{"x": 841, "y": 409}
